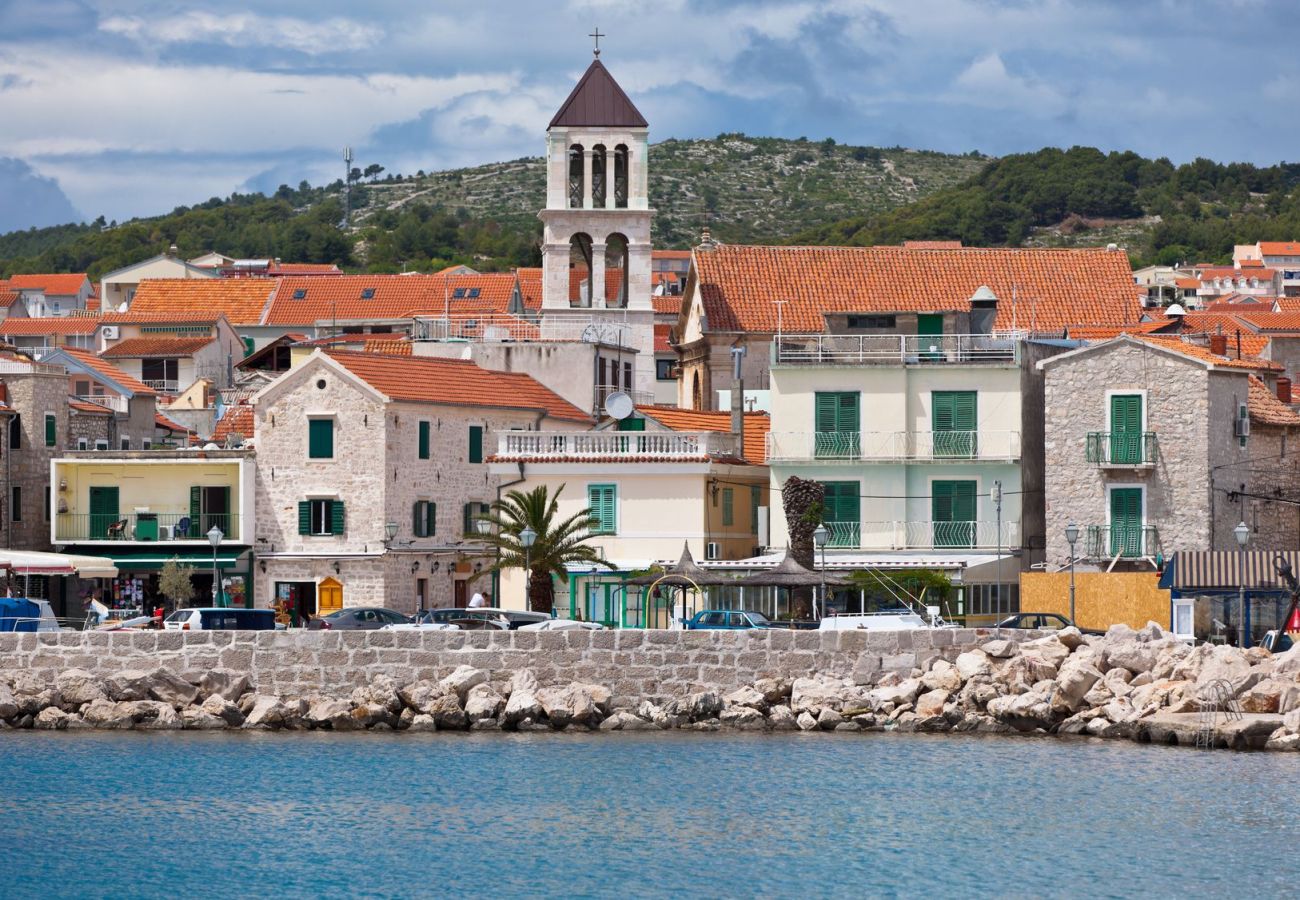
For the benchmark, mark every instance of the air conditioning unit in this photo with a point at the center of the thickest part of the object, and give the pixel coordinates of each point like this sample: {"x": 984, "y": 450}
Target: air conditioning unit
{"x": 712, "y": 550}
{"x": 111, "y": 333}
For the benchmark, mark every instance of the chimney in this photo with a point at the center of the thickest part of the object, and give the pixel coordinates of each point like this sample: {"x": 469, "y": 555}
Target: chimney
{"x": 738, "y": 397}
{"x": 172, "y": 251}
{"x": 1219, "y": 344}
{"x": 1284, "y": 389}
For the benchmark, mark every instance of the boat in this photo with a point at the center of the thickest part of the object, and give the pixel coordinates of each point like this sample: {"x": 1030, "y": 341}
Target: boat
{"x": 902, "y": 619}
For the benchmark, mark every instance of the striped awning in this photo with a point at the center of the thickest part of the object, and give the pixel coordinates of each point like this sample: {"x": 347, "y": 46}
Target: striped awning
{"x": 1221, "y": 569}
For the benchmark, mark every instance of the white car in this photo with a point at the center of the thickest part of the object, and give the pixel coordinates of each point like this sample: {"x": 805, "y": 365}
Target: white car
{"x": 563, "y": 625}
{"x": 420, "y": 626}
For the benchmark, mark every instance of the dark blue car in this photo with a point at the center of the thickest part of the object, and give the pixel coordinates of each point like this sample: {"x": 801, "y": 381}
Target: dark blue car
{"x": 726, "y": 620}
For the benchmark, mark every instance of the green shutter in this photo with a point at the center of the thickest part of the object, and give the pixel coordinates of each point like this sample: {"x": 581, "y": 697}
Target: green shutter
{"x": 51, "y": 430}
{"x": 952, "y": 422}
{"x": 842, "y": 512}
{"x": 837, "y": 422}
{"x": 476, "y": 443}
{"x": 304, "y": 517}
{"x": 430, "y": 519}
{"x": 196, "y": 509}
{"x": 601, "y": 500}
{"x": 467, "y": 520}
{"x": 631, "y": 423}
{"x": 103, "y": 510}
{"x": 337, "y": 520}
{"x": 320, "y": 438}
{"x": 728, "y": 507}
{"x": 424, "y": 440}
{"x": 1126, "y": 521}
{"x": 952, "y": 512}
{"x": 1126, "y": 428}
{"x": 417, "y": 520}
{"x": 929, "y": 324}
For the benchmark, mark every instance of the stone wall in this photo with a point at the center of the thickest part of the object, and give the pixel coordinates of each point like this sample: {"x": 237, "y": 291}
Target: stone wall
{"x": 635, "y": 665}
{"x": 28, "y": 467}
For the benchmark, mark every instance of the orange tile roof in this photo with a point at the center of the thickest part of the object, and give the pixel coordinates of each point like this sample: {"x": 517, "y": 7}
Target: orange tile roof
{"x": 1266, "y": 409}
{"x": 667, "y": 304}
{"x": 52, "y": 285}
{"x": 1288, "y": 304}
{"x": 236, "y": 420}
{"x": 304, "y": 269}
{"x": 1267, "y": 320}
{"x": 757, "y": 426}
{"x": 1252, "y": 263}
{"x": 1189, "y": 284}
{"x": 1199, "y": 351}
{"x": 1053, "y": 288}
{"x": 1104, "y": 332}
{"x": 389, "y": 347}
{"x": 108, "y": 370}
{"x": 93, "y": 409}
{"x": 132, "y": 348}
{"x": 241, "y": 300}
{"x": 424, "y": 379}
{"x": 392, "y": 297}
{"x": 161, "y": 421}
{"x": 530, "y": 287}
{"x": 661, "y": 339}
{"x": 185, "y": 317}
{"x": 670, "y": 254}
{"x": 1279, "y": 248}
{"x": 932, "y": 245}
{"x": 17, "y": 325}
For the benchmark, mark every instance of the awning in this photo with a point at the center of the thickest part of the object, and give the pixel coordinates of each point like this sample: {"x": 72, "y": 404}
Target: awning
{"x": 33, "y": 562}
{"x": 147, "y": 562}
{"x": 839, "y": 561}
{"x": 1221, "y": 569}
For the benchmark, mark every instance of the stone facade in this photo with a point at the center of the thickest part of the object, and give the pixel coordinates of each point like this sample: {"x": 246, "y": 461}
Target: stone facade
{"x": 33, "y": 395}
{"x": 90, "y": 428}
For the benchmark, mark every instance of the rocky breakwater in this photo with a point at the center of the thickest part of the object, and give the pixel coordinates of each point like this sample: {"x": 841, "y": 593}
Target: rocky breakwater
{"x": 1140, "y": 685}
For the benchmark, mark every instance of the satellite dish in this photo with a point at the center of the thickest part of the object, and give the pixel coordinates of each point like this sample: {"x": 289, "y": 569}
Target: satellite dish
{"x": 122, "y": 307}
{"x": 619, "y": 405}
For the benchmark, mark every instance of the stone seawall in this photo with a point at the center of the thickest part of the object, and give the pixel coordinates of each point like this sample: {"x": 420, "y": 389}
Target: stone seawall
{"x": 634, "y": 665}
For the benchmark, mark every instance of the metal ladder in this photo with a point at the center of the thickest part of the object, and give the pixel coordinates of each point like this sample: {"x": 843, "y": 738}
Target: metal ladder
{"x": 1212, "y": 699}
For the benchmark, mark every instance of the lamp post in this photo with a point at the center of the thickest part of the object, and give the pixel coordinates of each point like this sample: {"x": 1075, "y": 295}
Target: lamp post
{"x": 215, "y": 537}
{"x": 821, "y": 534}
{"x": 1242, "y": 533}
{"x": 527, "y": 538}
{"x": 1071, "y": 536}
{"x": 390, "y": 532}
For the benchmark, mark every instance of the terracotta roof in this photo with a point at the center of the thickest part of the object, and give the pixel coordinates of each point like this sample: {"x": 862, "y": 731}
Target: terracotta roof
{"x": 108, "y": 370}
{"x": 132, "y": 348}
{"x": 241, "y": 300}
{"x": 1251, "y": 263}
{"x": 597, "y": 101}
{"x": 424, "y": 379}
{"x": 184, "y": 317}
{"x": 161, "y": 421}
{"x": 93, "y": 409}
{"x": 92, "y": 304}
{"x": 1266, "y": 409}
{"x": 52, "y": 285}
{"x": 1288, "y": 304}
{"x": 661, "y": 339}
{"x": 1199, "y": 351}
{"x": 1104, "y": 332}
{"x": 312, "y": 299}
{"x": 304, "y": 269}
{"x": 756, "y": 426}
{"x": 1053, "y": 288}
{"x": 667, "y": 303}
{"x": 530, "y": 287}
{"x": 8, "y": 298}
{"x": 1189, "y": 284}
{"x": 1267, "y": 320}
{"x": 235, "y": 420}
{"x": 932, "y": 245}
{"x": 49, "y": 325}
{"x": 1279, "y": 248}
{"x": 389, "y": 347}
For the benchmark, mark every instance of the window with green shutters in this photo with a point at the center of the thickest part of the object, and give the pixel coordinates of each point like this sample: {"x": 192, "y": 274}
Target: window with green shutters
{"x": 728, "y": 507}
{"x": 476, "y": 443}
{"x": 842, "y": 513}
{"x": 321, "y": 517}
{"x": 1126, "y": 428}
{"x": 602, "y": 500}
{"x": 952, "y": 513}
{"x": 469, "y": 516}
{"x": 424, "y": 440}
{"x": 631, "y": 423}
{"x": 837, "y": 424}
{"x": 1126, "y": 522}
{"x": 424, "y": 518}
{"x": 320, "y": 438}
{"x": 51, "y": 430}
{"x": 952, "y": 423}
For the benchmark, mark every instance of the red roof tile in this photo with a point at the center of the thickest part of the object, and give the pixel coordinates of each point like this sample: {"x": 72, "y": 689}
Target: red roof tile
{"x": 241, "y": 300}
{"x": 661, "y": 339}
{"x": 932, "y": 245}
{"x": 756, "y": 426}
{"x": 132, "y": 348}
{"x": 93, "y": 409}
{"x": 161, "y": 421}
{"x": 235, "y": 420}
{"x": 391, "y": 297}
{"x": 1199, "y": 351}
{"x": 389, "y": 347}
{"x": 1279, "y": 248}
{"x": 108, "y": 370}
{"x": 52, "y": 285}
{"x": 304, "y": 269}
{"x": 1051, "y": 288}
{"x": 455, "y": 382}
{"x": 17, "y": 325}
{"x": 1266, "y": 409}
{"x": 667, "y": 304}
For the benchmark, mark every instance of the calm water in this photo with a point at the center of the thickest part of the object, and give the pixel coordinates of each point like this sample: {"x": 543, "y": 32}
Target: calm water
{"x": 300, "y": 815}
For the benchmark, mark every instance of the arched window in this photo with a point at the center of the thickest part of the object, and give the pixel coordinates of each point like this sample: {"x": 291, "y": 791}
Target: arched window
{"x": 598, "y": 179}
{"x": 620, "y": 176}
{"x": 575, "y": 177}
{"x": 616, "y": 286}
{"x": 580, "y": 270}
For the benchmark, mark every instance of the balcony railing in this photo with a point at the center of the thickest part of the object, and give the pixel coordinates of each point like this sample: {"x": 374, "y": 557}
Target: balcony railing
{"x": 1121, "y": 448}
{"x": 504, "y": 328}
{"x": 892, "y": 446}
{"x": 1123, "y": 541}
{"x": 896, "y": 349}
{"x": 113, "y": 402}
{"x": 540, "y": 446}
{"x": 144, "y": 527}
{"x": 163, "y": 385}
{"x": 600, "y": 393}
{"x": 904, "y": 535}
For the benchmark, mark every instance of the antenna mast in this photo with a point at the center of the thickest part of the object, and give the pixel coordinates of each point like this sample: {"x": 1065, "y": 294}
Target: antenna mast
{"x": 347, "y": 184}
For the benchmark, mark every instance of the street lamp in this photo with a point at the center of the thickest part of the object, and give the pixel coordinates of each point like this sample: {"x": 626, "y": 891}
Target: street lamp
{"x": 1071, "y": 536}
{"x": 822, "y": 534}
{"x": 215, "y": 537}
{"x": 527, "y": 538}
{"x": 390, "y": 532}
{"x": 1242, "y": 533}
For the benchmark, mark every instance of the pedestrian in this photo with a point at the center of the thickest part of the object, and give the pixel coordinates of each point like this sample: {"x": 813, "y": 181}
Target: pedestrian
{"x": 477, "y": 601}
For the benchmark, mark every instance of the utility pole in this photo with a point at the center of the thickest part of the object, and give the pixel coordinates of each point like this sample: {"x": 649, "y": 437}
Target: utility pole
{"x": 997, "y": 504}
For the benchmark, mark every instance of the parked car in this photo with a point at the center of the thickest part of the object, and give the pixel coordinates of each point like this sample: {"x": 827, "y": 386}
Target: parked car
{"x": 481, "y": 617}
{"x": 726, "y": 620}
{"x": 358, "y": 618}
{"x": 1272, "y": 644}
{"x": 214, "y": 618}
{"x": 1044, "y": 622}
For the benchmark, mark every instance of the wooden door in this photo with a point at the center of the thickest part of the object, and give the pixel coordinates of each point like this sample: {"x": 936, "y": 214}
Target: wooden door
{"x": 461, "y": 601}
{"x": 329, "y": 597}
{"x": 103, "y": 510}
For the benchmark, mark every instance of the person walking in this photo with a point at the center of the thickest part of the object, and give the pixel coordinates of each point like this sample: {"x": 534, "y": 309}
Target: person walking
{"x": 477, "y": 601}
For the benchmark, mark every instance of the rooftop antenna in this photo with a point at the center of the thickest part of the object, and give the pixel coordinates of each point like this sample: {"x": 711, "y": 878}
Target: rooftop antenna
{"x": 347, "y": 184}
{"x": 596, "y": 35}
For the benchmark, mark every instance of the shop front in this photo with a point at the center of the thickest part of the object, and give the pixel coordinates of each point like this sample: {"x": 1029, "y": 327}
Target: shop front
{"x": 135, "y": 590}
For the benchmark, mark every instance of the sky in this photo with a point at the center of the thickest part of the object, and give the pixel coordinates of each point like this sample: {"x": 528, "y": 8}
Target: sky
{"x": 124, "y": 108}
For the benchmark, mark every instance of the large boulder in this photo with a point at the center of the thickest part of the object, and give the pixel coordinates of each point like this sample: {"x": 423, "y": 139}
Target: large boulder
{"x": 905, "y": 692}
{"x": 1070, "y": 637}
{"x": 747, "y": 696}
{"x": 1000, "y": 649}
{"x": 460, "y": 681}
{"x": 53, "y": 719}
{"x": 815, "y": 694}
{"x": 448, "y": 714}
{"x": 78, "y": 687}
{"x": 107, "y": 714}
{"x": 774, "y": 690}
{"x": 157, "y": 715}
{"x": 218, "y": 706}
{"x": 333, "y": 714}
{"x": 381, "y": 693}
{"x": 1024, "y": 671}
{"x": 128, "y": 684}
{"x": 521, "y": 705}
{"x": 570, "y": 705}
{"x": 1265, "y": 697}
{"x": 1135, "y": 656}
{"x": 483, "y": 702}
{"x": 1024, "y": 712}
{"x": 702, "y": 705}
{"x": 1231, "y": 665}
{"x": 599, "y": 694}
{"x": 168, "y": 687}
{"x": 421, "y": 695}
{"x": 942, "y": 677}
{"x": 973, "y": 663}
{"x": 931, "y": 703}
{"x": 267, "y": 712}
{"x": 8, "y": 704}
{"x": 1287, "y": 662}
{"x": 743, "y": 717}
{"x": 224, "y": 683}
{"x": 1072, "y": 684}
{"x": 196, "y": 718}
{"x": 1051, "y": 649}
{"x": 782, "y": 718}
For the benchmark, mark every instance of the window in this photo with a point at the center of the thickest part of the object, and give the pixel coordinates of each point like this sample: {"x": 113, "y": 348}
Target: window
{"x": 755, "y": 498}
{"x": 424, "y": 440}
{"x": 952, "y": 513}
{"x": 81, "y": 388}
{"x": 458, "y": 294}
{"x": 837, "y": 423}
{"x": 101, "y": 444}
{"x": 16, "y": 507}
{"x": 320, "y": 517}
{"x": 82, "y": 444}
{"x": 627, "y": 376}
{"x": 728, "y": 507}
{"x": 16, "y": 432}
{"x": 48, "y": 501}
{"x": 952, "y": 423}
{"x": 1126, "y": 428}
{"x": 300, "y": 294}
{"x": 470, "y": 514}
{"x": 51, "y": 430}
{"x": 424, "y": 518}
{"x": 872, "y": 321}
{"x": 476, "y": 443}
{"x": 320, "y": 438}
{"x": 842, "y": 513}
{"x": 367, "y": 293}
{"x": 992, "y": 599}
{"x": 601, "y": 500}
{"x": 126, "y": 443}
{"x": 1126, "y": 531}
{"x": 664, "y": 369}
{"x": 473, "y": 293}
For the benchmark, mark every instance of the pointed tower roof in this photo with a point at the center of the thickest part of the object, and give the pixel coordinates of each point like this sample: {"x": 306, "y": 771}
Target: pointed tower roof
{"x": 598, "y": 102}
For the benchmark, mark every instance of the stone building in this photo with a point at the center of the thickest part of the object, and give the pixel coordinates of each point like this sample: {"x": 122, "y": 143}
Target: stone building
{"x": 35, "y": 412}
{"x": 1154, "y": 445}
{"x": 371, "y": 470}
{"x": 91, "y": 380}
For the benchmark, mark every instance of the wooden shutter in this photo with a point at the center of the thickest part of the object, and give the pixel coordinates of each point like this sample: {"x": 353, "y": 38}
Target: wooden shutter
{"x": 476, "y": 443}
{"x": 601, "y": 500}
{"x": 304, "y": 517}
{"x": 842, "y": 510}
{"x": 728, "y": 506}
{"x": 952, "y": 422}
{"x": 952, "y": 513}
{"x": 424, "y": 440}
{"x": 196, "y": 510}
{"x": 337, "y": 520}
{"x": 51, "y": 430}
{"x": 417, "y": 520}
{"x": 320, "y": 438}
{"x": 430, "y": 518}
{"x": 1126, "y": 521}
{"x": 755, "y": 495}
{"x": 1126, "y": 428}
{"x": 837, "y": 423}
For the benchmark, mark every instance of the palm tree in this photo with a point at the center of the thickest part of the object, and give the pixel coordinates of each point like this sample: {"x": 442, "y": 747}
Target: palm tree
{"x": 556, "y": 545}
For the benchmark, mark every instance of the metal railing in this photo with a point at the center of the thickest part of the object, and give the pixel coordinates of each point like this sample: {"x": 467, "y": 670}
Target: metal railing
{"x": 596, "y": 445}
{"x": 892, "y": 349}
{"x": 15, "y": 367}
{"x": 502, "y": 328}
{"x": 1121, "y": 448}
{"x": 600, "y": 393}
{"x": 912, "y": 535}
{"x": 143, "y": 527}
{"x": 166, "y": 385}
{"x": 114, "y": 402}
{"x": 1124, "y": 541}
{"x": 819, "y": 446}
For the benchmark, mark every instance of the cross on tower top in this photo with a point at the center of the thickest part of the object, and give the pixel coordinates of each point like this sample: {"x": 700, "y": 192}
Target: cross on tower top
{"x": 597, "y": 36}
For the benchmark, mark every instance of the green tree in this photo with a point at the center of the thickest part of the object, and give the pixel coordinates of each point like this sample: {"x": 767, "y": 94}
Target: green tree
{"x": 558, "y": 543}
{"x": 174, "y": 582}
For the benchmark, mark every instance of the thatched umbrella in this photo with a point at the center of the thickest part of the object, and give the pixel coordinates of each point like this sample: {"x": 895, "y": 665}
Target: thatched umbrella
{"x": 685, "y": 573}
{"x": 790, "y": 575}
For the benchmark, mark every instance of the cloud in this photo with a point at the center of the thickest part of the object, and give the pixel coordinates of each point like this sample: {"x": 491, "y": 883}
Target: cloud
{"x": 244, "y": 29}
{"x": 986, "y": 82}
{"x": 30, "y": 199}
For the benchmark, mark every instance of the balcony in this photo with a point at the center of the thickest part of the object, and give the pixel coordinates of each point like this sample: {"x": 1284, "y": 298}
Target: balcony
{"x": 1122, "y": 449}
{"x": 1122, "y": 541}
{"x": 162, "y": 385}
{"x": 904, "y": 535}
{"x": 615, "y": 446}
{"x": 893, "y": 446}
{"x": 114, "y": 402}
{"x": 145, "y": 527}
{"x": 896, "y": 350}
{"x": 507, "y": 328}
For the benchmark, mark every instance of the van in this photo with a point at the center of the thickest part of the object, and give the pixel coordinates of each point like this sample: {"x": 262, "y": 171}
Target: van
{"x": 211, "y": 618}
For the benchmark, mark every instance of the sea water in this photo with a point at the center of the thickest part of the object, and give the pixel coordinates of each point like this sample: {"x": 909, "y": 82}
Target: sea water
{"x": 629, "y": 815}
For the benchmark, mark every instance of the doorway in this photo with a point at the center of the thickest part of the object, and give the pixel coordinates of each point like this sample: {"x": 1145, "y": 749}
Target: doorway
{"x": 329, "y": 596}
{"x": 296, "y": 601}
{"x": 103, "y": 510}
{"x": 460, "y": 599}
